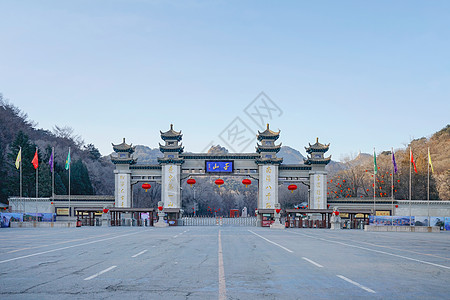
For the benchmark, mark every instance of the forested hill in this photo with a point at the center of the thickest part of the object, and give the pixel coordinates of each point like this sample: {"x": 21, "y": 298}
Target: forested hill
{"x": 355, "y": 179}
{"x": 90, "y": 173}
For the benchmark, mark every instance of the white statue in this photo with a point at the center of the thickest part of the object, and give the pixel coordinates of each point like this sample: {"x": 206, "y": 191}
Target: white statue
{"x": 335, "y": 219}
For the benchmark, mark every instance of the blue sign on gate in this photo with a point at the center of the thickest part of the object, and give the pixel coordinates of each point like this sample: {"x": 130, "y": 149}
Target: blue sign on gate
{"x": 219, "y": 166}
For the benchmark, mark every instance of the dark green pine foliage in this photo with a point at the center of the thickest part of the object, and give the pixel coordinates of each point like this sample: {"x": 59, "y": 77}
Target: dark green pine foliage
{"x": 80, "y": 184}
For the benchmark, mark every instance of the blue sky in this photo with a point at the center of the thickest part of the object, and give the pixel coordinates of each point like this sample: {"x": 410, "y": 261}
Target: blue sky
{"x": 356, "y": 74}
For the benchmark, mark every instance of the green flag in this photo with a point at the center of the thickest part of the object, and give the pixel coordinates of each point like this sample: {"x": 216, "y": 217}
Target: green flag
{"x": 375, "y": 169}
{"x": 68, "y": 160}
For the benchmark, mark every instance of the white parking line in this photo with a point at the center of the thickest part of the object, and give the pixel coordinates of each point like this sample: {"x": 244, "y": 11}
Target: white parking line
{"x": 175, "y": 236}
{"x": 284, "y": 248}
{"x": 100, "y": 273}
{"x": 222, "y": 283}
{"x": 142, "y": 252}
{"x": 376, "y": 251}
{"x": 68, "y": 247}
{"x": 312, "y": 262}
{"x": 357, "y": 284}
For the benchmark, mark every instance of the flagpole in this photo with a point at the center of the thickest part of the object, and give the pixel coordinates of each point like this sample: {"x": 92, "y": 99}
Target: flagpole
{"x": 392, "y": 181}
{"x": 53, "y": 174}
{"x": 37, "y": 181}
{"x": 37, "y": 187}
{"x": 428, "y": 185}
{"x": 410, "y": 152}
{"x": 374, "y": 174}
{"x": 20, "y": 162}
{"x": 69, "y": 184}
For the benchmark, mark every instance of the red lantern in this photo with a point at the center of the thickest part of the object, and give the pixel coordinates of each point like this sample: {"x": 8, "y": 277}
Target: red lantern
{"x": 51, "y": 203}
{"x": 105, "y": 210}
{"x": 278, "y": 210}
{"x": 292, "y": 187}
{"x": 146, "y": 186}
{"x": 191, "y": 181}
{"x": 246, "y": 182}
{"x": 160, "y": 208}
{"x": 396, "y": 206}
{"x": 219, "y": 182}
{"x": 336, "y": 213}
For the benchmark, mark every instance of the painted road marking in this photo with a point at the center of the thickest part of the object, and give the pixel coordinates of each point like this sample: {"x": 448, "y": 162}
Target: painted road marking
{"x": 357, "y": 284}
{"x": 284, "y": 248}
{"x": 312, "y": 262}
{"x": 100, "y": 273}
{"x": 142, "y": 252}
{"x": 175, "y": 236}
{"x": 64, "y": 242}
{"x": 68, "y": 247}
{"x": 376, "y": 251}
{"x": 222, "y": 283}
{"x": 386, "y": 247}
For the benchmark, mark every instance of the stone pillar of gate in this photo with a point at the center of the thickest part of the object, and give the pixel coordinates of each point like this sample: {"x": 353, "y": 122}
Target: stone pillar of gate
{"x": 170, "y": 185}
{"x": 122, "y": 174}
{"x": 268, "y": 186}
{"x": 317, "y": 175}
{"x": 268, "y": 163}
{"x": 318, "y": 190}
{"x": 171, "y": 168}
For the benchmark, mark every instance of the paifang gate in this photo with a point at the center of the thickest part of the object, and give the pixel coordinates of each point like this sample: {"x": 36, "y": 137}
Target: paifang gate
{"x": 263, "y": 165}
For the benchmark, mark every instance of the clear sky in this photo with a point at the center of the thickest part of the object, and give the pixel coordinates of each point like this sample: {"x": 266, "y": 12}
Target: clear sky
{"x": 356, "y": 74}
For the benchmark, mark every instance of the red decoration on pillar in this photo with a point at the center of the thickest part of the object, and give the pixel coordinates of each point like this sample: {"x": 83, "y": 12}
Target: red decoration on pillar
{"x": 160, "y": 208}
{"x": 278, "y": 210}
{"x": 105, "y": 210}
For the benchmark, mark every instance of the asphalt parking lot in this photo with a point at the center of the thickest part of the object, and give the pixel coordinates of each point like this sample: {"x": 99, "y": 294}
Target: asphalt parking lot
{"x": 221, "y": 263}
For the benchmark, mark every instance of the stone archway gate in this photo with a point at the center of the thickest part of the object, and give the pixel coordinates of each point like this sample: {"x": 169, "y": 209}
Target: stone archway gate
{"x": 263, "y": 165}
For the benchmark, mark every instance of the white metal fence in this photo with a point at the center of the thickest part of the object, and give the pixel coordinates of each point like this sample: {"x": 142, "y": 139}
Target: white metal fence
{"x": 217, "y": 221}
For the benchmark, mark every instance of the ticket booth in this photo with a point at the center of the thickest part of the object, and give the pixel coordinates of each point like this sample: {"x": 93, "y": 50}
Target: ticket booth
{"x": 172, "y": 216}
{"x": 266, "y": 217}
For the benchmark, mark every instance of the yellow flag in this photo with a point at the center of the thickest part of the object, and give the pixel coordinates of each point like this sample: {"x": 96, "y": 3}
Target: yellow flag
{"x": 429, "y": 161}
{"x": 19, "y": 158}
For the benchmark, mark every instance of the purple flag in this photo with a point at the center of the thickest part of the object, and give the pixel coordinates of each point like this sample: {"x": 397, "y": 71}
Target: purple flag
{"x": 395, "y": 164}
{"x": 50, "y": 162}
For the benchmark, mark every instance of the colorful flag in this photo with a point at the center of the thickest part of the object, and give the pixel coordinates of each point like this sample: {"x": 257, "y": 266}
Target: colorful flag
{"x": 19, "y": 158}
{"x": 429, "y": 161}
{"x": 393, "y": 161}
{"x": 35, "y": 160}
{"x": 68, "y": 161}
{"x": 412, "y": 160}
{"x": 50, "y": 162}
{"x": 374, "y": 162}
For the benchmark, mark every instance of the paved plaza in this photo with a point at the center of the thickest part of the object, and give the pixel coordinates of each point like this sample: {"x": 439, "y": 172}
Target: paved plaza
{"x": 221, "y": 263}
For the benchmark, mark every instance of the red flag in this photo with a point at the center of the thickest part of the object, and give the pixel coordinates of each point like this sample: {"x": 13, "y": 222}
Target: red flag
{"x": 35, "y": 160}
{"x": 412, "y": 160}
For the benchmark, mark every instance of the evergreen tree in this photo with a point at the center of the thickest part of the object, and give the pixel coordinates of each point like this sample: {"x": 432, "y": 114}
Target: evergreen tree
{"x": 80, "y": 183}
